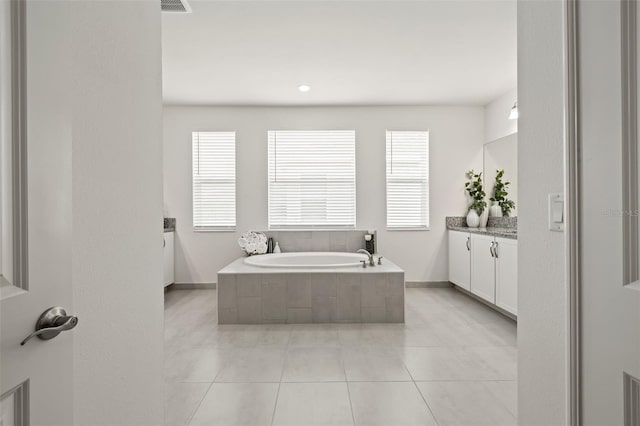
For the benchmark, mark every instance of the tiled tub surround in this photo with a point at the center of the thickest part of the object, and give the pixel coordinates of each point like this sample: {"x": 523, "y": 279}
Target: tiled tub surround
{"x": 505, "y": 227}
{"x": 341, "y": 241}
{"x": 253, "y": 295}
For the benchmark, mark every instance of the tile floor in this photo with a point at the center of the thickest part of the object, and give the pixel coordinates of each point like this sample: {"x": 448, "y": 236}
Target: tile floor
{"x": 454, "y": 362}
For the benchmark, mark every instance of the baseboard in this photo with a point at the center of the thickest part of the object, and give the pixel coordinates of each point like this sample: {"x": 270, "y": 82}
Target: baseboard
{"x": 489, "y": 304}
{"x": 212, "y": 286}
{"x": 428, "y": 284}
{"x": 193, "y": 286}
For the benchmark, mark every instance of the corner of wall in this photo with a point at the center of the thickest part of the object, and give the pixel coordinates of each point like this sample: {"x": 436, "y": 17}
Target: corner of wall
{"x": 542, "y": 289}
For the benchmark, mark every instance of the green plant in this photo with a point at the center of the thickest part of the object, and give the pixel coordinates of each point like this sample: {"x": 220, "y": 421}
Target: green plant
{"x": 476, "y": 192}
{"x": 500, "y": 194}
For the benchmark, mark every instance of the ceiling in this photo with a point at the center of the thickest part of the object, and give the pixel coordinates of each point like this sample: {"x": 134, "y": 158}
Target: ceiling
{"x": 427, "y": 52}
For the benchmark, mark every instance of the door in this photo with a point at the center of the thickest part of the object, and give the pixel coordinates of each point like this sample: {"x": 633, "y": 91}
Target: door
{"x": 36, "y": 379}
{"x": 506, "y": 255}
{"x": 608, "y": 287}
{"x": 460, "y": 259}
{"x": 483, "y": 272}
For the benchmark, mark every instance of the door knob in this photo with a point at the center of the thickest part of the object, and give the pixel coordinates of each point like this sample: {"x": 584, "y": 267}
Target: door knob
{"x": 52, "y": 322}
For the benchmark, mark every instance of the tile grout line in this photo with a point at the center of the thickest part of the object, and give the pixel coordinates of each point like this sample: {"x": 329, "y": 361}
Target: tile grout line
{"x": 353, "y": 414}
{"x": 503, "y": 404}
{"x": 284, "y": 362}
{"x": 420, "y": 393}
{"x": 199, "y": 404}
{"x": 204, "y": 396}
{"x": 427, "y": 404}
{"x": 275, "y": 405}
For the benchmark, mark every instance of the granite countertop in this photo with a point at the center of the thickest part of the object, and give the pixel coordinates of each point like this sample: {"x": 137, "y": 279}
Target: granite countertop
{"x": 503, "y": 227}
{"x": 496, "y": 232}
{"x": 169, "y": 224}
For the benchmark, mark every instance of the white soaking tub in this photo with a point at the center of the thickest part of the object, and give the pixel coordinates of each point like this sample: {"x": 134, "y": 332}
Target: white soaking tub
{"x": 306, "y": 260}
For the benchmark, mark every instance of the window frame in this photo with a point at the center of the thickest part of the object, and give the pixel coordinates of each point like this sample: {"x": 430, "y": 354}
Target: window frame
{"x": 308, "y": 227}
{"x": 427, "y": 179}
{"x": 216, "y": 228}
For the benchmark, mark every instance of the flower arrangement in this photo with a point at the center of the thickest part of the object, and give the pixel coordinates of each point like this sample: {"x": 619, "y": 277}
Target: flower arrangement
{"x": 476, "y": 192}
{"x": 500, "y": 194}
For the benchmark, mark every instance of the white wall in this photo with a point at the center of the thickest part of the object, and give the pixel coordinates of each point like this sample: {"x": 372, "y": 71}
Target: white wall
{"x": 496, "y": 116}
{"x": 542, "y": 289}
{"x": 117, "y": 212}
{"x": 456, "y": 137}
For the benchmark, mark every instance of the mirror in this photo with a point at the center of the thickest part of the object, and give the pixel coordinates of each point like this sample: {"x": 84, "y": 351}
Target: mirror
{"x": 502, "y": 154}
{"x": 13, "y": 199}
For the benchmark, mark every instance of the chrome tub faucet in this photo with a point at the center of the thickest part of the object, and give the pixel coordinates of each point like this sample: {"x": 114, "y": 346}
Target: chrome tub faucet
{"x": 371, "y": 262}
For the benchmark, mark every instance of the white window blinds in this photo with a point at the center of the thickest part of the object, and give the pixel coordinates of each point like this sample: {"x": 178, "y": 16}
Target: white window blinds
{"x": 312, "y": 179}
{"x": 214, "y": 180}
{"x": 407, "y": 180}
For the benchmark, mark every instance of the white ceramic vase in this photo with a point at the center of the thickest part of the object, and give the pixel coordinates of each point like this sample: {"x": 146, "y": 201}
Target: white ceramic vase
{"x": 473, "y": 220}
{"x": 484, "y": 218}
{"x": 495, "y": 210}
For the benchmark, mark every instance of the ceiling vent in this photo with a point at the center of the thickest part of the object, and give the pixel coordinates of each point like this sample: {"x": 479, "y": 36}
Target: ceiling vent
{"x": 179, "y": 6}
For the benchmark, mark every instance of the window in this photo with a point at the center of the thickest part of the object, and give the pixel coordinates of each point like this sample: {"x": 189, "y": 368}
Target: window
{"x": 407, "y": 180}
{"x": 312, "y": 179}
{"x": 214, "y": 180}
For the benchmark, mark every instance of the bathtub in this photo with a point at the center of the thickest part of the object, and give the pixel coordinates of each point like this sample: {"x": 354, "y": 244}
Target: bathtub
{"x": 309, "y": 287}
{"x": 306, "y": 260}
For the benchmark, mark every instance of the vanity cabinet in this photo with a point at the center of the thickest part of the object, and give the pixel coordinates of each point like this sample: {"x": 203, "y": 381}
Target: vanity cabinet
{"x": 507, "y": 274}
{"x": 168, "y": 258}
{"x": 460, "y": 259}
{"x": 483, "y": 268}
{"x": 486, "y": 266}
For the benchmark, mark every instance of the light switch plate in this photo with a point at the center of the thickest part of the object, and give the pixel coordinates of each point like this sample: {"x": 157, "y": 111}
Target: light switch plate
{"x": 556, "y": 212}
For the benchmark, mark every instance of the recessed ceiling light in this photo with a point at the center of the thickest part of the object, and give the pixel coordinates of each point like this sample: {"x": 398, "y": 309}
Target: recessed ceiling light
{"x": 304, "y": 88}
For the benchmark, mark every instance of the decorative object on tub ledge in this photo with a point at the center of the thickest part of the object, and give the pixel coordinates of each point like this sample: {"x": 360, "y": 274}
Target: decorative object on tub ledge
{"x": 477, "y": 194}
{"x": 169, "y": 224}
{"x": 277, "y": 249}
{"x": 500, "y": 197}
{"x": 253, "y": 243}
{"x": 370, "y": 241}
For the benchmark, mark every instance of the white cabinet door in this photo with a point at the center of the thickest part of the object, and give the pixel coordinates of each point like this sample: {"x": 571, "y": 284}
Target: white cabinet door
{"x": 507, "y": 274}
{"x": 168, "y": 258}
{"x": 483, "y": 274}
{"x": 460, "y": 259}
